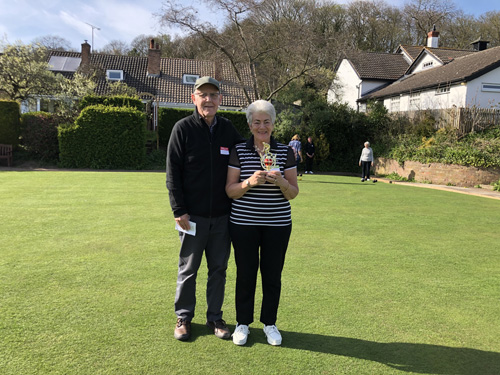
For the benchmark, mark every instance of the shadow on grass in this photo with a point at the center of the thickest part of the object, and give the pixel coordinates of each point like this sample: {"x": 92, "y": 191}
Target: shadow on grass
{"x": 418, "y": 358}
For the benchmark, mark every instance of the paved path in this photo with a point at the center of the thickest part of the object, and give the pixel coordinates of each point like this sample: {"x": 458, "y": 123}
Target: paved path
{"x": 486, "y": 192}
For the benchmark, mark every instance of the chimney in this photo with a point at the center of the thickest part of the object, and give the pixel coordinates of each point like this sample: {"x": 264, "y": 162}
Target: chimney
{"x": 218, "y": 71}
{"x": 85, "y": 63}
{"x": 433, "y": 38}
{"x": 480, "y": 44}
{"x": 154, "y": 57}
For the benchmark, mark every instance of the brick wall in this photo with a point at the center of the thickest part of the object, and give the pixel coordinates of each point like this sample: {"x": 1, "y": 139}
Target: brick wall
{"x": 437, "y": 173}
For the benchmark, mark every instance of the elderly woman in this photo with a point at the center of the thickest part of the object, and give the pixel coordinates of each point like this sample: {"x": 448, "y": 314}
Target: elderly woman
{"x": 260, "y": 219}
{"x": 366, "y": 162}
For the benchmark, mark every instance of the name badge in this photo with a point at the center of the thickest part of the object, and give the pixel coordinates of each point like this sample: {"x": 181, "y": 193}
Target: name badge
{"x": 224, "y": 151}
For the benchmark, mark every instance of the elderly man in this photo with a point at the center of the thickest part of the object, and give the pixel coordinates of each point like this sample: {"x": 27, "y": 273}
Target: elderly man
{"x": 197, "y": 159}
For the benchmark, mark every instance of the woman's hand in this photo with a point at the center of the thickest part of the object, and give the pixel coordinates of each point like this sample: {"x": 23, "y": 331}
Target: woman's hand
{"x": 275, "y": 177}
{"x": 258, "y": 178}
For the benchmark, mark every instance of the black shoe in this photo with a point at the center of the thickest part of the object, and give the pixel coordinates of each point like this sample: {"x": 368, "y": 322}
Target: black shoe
{"x": 220, "y": 329}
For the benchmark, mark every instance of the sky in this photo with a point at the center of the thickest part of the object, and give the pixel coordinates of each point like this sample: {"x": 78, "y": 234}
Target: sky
{"x": 25, "y": 20}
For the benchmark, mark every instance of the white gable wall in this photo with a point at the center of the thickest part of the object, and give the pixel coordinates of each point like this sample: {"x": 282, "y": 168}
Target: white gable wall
{"x": 344, "y": 89}
{"x": 426, "y": 61}
{"x": 348, "y": 87}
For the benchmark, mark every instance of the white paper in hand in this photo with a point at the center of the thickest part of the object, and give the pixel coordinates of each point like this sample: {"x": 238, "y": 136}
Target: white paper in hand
{"x": 191, "y": 231}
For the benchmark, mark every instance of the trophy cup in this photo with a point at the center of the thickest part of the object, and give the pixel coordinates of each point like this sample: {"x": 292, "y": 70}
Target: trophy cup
{"x": 268, "y": 159}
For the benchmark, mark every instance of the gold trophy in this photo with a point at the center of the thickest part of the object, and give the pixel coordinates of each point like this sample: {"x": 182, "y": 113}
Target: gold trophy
{"x": 268, "y": 159}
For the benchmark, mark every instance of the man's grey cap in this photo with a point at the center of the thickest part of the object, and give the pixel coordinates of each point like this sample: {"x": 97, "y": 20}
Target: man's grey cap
{"x": 206, "y": 80}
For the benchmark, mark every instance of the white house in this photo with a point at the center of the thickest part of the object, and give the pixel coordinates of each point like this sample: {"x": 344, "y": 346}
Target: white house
{"x": 421, "y": 78}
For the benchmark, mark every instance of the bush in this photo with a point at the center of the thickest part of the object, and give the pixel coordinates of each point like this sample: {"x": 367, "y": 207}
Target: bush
{"x": 167, "y": 117}
{"x": 104, "y": 138}
{"x": 39, "y": 135}
{"x": 9, "y": 122}
{"x": 114, "y": 101}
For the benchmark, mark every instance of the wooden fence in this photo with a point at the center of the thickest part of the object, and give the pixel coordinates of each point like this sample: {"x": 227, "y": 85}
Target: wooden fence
{"x": 465, "y": 120}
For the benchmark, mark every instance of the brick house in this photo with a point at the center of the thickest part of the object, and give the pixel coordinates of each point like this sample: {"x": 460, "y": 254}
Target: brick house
{"x": 169, "y": 81}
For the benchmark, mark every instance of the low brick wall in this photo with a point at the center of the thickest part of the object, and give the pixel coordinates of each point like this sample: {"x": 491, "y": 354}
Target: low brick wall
{"x": 437, "y": 173}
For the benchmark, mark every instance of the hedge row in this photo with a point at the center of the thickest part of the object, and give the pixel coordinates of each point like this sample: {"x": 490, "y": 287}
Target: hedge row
{"x": 104, "y": 137}
{"x": 39, "y": 134}
{"x": 114, "y": 101}
{"x": 167, "y": 118}
{"x": 9, "y": 122}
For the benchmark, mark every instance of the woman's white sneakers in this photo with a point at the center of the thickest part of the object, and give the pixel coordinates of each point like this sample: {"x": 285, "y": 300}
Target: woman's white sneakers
{"x": 273, "y": 335}
{"x": 240, "y": 334}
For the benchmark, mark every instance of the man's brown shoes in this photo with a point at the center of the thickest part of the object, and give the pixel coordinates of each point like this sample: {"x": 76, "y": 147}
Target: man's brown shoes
{"x": 220, "y": 329}
{"x": 182, "y": 329}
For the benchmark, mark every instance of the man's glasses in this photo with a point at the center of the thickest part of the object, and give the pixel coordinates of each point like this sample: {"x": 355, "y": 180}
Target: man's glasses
{"x": 212, "y": 95}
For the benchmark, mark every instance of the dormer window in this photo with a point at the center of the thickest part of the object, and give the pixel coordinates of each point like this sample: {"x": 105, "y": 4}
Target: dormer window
{"x": 189, "y": 79}
{"x": 114, "y": 75}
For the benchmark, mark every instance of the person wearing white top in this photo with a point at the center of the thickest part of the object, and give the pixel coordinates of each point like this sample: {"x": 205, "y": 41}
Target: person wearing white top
{"x": 366, "y": 162}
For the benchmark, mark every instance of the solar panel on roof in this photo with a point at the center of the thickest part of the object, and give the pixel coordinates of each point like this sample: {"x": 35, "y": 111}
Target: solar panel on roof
{"x": 64, "y": 64}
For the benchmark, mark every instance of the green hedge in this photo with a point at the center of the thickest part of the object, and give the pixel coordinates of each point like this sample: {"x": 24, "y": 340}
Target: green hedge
{"x": 114, "y": 101}
{"x": 39, "y": 134}
{"x": 104, "y": 138}
{"x": 167, "y": 118}
{"x": 9, "y": 122}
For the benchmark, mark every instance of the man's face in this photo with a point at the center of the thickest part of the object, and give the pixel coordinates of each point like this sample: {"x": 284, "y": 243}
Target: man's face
{"x": 207, "y": 99}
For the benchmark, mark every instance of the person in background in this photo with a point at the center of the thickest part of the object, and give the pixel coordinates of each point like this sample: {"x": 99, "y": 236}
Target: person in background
{"x": 260, "y": 223}
{"x": 297, "y": 150}
{"x": 309, "y": 155}
{"x": 197, "y": 158}
{"x": 366, "y": 162}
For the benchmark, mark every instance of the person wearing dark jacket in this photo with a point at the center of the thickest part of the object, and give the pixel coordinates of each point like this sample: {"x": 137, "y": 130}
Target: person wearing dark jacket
{"x": 197, "y": 159}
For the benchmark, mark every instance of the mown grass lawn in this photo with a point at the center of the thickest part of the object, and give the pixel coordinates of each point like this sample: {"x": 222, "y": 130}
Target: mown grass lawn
{"x": 379, "y": 279}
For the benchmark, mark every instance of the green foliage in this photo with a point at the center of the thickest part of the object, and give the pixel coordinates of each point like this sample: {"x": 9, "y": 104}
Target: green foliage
{"x": 167, "y": 117}
{"x": 104, "y": 137}
{"x": 39, "y": 134}
{"x": 496, "y": 186}
{"x": 478, "y": 149}
{"x": 24, "y": 71}
{"x": 115, "y": 101}
{"x": 9, "y": 122}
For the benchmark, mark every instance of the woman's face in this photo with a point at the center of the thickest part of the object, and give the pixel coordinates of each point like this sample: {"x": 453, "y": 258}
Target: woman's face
{"x": 261, "y": 127}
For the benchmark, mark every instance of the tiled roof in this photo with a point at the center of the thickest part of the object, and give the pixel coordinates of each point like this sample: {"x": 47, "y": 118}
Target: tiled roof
{"x": 412, "y": 51}
{"x": 169, "y": 86}
{"x": 461, "y": 69}
{"x": 379, "y": 66}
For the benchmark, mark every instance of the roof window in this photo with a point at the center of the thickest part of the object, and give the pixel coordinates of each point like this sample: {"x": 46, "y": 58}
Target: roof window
{"x": 114, "y": 75}
{"x": 189, "y": 79}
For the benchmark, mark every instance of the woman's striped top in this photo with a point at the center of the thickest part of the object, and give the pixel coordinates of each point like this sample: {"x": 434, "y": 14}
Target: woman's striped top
{"x": 263, "y": 204}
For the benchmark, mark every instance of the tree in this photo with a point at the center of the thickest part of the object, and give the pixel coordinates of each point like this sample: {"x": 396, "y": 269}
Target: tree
{"x": 422, "y": 15}
{"x": 490, "y": 27}
{"x": 260, "y": 34}
{"x": 116, "y": 47}
{"x": 53, "y": 42}
{"x": 24, "y": 71}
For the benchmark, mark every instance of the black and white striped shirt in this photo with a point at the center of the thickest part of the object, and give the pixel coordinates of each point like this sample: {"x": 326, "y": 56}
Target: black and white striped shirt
{"x": 263, "y": 204}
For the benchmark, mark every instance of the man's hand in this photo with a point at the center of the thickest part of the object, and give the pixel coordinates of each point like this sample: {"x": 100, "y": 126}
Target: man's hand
{"x": 183, "y": 221}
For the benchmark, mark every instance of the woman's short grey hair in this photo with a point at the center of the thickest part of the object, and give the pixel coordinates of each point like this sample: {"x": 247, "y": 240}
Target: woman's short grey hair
{"x": 367, "y": 143}
{"x": 262, "y": 106}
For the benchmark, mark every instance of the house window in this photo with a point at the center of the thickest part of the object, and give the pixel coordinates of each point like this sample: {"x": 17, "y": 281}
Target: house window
{"x": 189, "y": 79}
{"x": 114, "y": 75}
{"x": 414, "y": 102}
{"x": 395, "y": 104}
{"x": 442, "y": 90}
{"x": 490, "y": 87}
